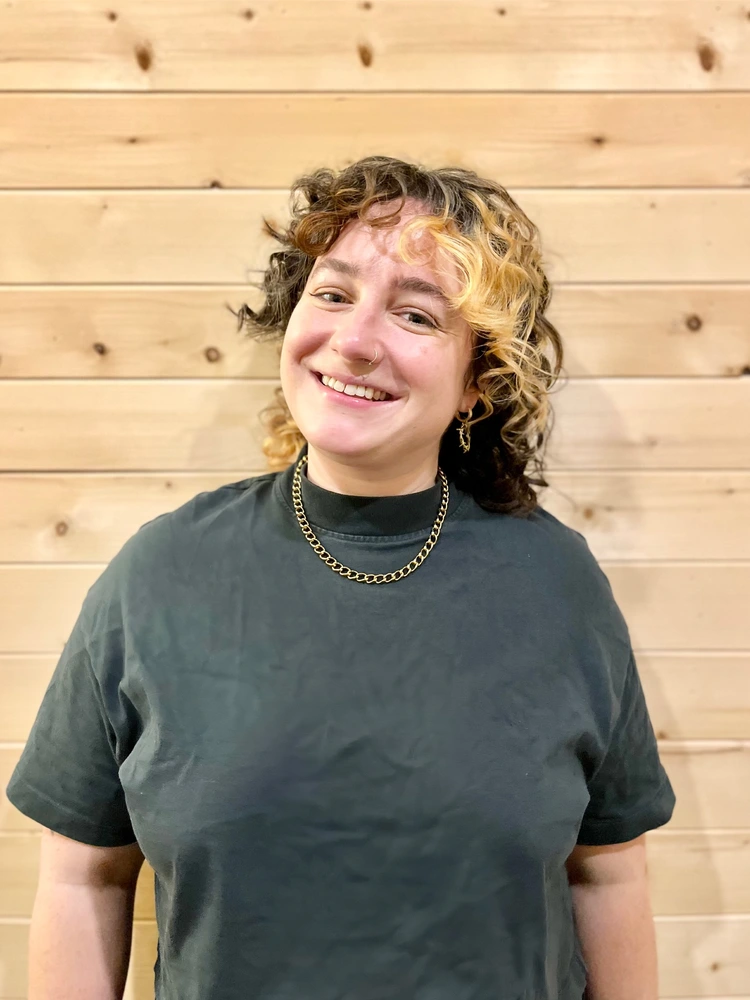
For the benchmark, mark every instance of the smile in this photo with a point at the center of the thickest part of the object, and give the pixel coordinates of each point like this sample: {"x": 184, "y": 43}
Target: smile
{"x": 353, "y": 391}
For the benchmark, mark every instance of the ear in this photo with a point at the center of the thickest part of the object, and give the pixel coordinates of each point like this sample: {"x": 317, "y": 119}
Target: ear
{"x": 469, "y": 399}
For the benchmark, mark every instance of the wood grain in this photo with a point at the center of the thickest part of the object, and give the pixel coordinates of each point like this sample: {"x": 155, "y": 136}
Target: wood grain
{"x": 174, "y": 331}
{"x": 477, "y": 45}
{"x": 216, "y": 236}
{"x": 556, "y": 140}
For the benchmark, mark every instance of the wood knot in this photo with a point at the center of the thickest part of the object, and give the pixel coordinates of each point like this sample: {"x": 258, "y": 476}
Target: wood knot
{"x": 144, "y": 56}
{"x": 100, "y": 348}
{"x": 212, "y": 353}
{"x": 365, "y": 54}
{"x": 707, "y": 56}
{"x": 693, "y": 322}
{"x": 61, "y": 528}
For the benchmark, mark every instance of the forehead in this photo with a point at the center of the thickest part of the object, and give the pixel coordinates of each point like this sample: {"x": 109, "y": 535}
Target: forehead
{"x": 374, "y": 251}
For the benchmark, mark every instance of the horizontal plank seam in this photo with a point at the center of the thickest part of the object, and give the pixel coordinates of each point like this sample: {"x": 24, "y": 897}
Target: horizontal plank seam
{"x": 662, "y": 918}
{"x": 686, "y": 831}
{"x": 551, "y": 467}
{"x": 605, "y": 283}
{"x": 62, "y": 91}
{"x": 684, "y": 654}
{"x": 217, "y": 192}
{"x": 311, "y": 93}
{"x": 646, "y": 563}
{"x": 741, "y": 743}
{"x": 516, "y": 190}
{"x": 195, "y": 473}
{"x": 242, "y": 286}
{"x": 259, "y": 380}
{"x": 228, "y": 380}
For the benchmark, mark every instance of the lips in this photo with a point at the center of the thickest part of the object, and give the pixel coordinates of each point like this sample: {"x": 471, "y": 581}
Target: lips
{"x": 348, "y": 399}
{"x": 348, "y": 380}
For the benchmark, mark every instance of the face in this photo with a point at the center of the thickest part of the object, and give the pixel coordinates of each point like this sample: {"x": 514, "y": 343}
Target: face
{"x": 362, "y": 301}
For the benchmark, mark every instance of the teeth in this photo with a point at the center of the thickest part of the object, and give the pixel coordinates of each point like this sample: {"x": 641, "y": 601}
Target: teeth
{"x": 353, "y": 390}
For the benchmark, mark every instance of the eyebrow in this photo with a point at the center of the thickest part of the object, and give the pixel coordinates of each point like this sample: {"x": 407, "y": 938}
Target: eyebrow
{"x": 408, "y": 284}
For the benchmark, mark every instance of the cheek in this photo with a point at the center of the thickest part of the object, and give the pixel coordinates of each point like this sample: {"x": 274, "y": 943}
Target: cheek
{"x": 286, "y": 359}
{"x": 423, "y": 364}
{"x": 435, "y": 372}
{"x": 303, "y": 335}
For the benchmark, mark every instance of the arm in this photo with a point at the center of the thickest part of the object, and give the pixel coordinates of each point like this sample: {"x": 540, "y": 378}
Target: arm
{"x": 81, "y": 925}
{"x": 614, "y": 921}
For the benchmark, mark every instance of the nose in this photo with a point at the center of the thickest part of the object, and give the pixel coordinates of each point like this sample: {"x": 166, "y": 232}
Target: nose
{"x": 355, "y": 335}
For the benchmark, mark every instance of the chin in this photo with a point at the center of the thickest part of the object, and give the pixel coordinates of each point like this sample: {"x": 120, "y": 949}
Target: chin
{"x": 336, "y": 441}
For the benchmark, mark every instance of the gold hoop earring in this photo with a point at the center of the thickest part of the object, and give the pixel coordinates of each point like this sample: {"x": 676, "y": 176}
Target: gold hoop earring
{"x": 464, "y": 431}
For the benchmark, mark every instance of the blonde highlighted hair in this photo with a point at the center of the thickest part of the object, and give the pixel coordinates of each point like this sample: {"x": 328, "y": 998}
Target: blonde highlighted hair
{"x": 504, "y": 294}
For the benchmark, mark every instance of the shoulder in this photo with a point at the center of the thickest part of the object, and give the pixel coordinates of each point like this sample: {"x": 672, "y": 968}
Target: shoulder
{"x": 195, "y": 517}
{"x": 553, "y": 564}
{"x": 200, "y": 512}
{"x": 552, "y": 536}
{"x": 162, "y": 550}
{"x": 538, "y": 538}
{"x": 576, "y": 572}
{"x": 569, "y": 552}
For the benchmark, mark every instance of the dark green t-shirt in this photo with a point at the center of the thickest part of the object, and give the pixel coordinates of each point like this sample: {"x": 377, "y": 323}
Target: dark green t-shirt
{"x": 350, "y": 791}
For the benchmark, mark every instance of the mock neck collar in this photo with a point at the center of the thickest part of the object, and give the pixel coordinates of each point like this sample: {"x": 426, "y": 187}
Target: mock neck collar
{"x": 360, "y": 515}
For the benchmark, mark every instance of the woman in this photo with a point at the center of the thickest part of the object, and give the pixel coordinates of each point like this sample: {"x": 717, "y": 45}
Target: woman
{"x": 374, "y": 717}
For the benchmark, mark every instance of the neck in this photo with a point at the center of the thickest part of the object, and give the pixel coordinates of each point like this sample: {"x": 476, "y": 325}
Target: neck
{"x": 350, "y": 477}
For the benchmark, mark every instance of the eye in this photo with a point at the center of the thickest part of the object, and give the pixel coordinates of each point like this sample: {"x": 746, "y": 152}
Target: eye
{"x": 425, "y": 320}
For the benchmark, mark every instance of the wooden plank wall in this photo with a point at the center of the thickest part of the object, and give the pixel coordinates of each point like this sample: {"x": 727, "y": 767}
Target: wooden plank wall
{"x": 140, "y": 143}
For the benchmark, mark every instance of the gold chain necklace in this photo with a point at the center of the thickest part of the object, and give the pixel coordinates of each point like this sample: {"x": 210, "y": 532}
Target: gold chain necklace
{"x": 352, "y": 574}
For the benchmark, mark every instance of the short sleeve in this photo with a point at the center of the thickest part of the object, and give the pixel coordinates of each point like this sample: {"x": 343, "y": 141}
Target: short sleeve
{"x": 67, "y": 775}
{"x": 630, "y": 792}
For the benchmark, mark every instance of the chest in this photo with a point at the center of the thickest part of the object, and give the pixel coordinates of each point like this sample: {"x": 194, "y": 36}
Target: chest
{"x": 302, "y": 715}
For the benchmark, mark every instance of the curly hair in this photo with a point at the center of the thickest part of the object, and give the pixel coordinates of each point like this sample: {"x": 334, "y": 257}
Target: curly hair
{"x": 504, "y": 295}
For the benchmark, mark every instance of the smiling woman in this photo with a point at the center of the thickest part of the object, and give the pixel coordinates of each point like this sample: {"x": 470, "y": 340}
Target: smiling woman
{"x": 388, "y": 770}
